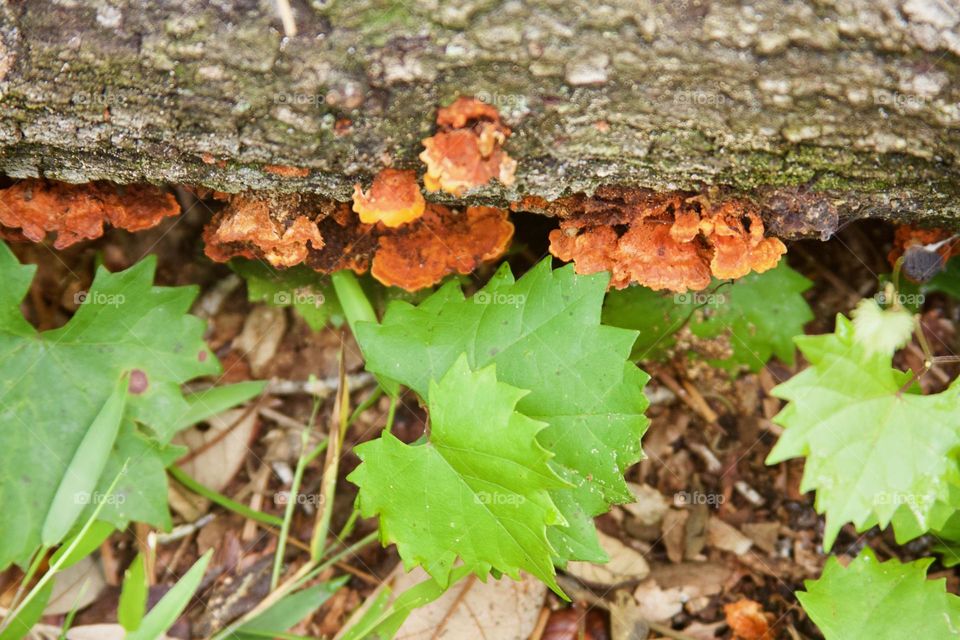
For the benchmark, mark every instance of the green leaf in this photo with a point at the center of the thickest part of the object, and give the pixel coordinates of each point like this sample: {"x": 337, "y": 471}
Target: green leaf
{"x": 881, "y": 330}
{"x": 54, "y": 384}
{"x": 543, "y": 332}
{"x": 476, "y": 490}
{"x": 759, "y": 313}
{"x": 85, "y": 469}
{"x": 384, "y": 618}
{"x": 871, "y": 599}
{"x": 299, "y": 287}
{"x": 210, "y": 402}
{"x": 172, "y": 604}
{"x": 98, "y": 532}
{"x": 289, "y": 611}
{"x": 870, "y": 449}
{"x": 947, "y": 281}
{"x": 30, "y": 615}
{"x": 133, "y": 595}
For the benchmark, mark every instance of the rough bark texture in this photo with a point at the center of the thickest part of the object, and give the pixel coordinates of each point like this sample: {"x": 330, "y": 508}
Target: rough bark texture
{"x": 857, "y": 101}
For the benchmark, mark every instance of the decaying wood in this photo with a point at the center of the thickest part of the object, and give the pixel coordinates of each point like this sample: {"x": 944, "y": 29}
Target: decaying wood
{"x": 812, "y": 107}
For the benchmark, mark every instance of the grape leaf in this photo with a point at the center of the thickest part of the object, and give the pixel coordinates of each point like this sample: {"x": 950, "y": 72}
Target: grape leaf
{"x": 53, "y": 385}
{"x": 761, "y": 313}
{"x": 544, "y": 334}
{"x": 477, "y": 489}
{"x": 871, "y": 449}
{"x": 871, "y": 599}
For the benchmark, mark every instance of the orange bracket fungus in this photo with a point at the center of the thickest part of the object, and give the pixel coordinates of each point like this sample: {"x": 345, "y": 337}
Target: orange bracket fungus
{"x": 323, "y": 234}
{"x": 443, "y": 242}
{"x": 77, "y": 212}
{"x": 251, "y": 228}
{"x": 466, "y": 151}
{"x": 394, "y": 199}
{"x": 662, "y": 241}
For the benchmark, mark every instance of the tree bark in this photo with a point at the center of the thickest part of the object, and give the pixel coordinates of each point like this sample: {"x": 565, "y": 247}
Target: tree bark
{"x": 856, "y": 102}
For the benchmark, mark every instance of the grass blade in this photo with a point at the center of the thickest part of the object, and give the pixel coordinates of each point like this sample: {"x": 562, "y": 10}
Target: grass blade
{"x": 133, "y": 595}
{"x": 162, "y": 616}
{"x": 210, "y": 402}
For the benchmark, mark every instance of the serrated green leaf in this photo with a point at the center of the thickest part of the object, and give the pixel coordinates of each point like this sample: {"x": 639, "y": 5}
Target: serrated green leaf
{"x": 881, "y": 330}
{"x": 165, "y": 613}
{"x": 543, "y": 332}
{"x": 476, "y": 490}
{"x": 54, "y": 384}
{"x": 871, "y": 447}
{"x": 869, "y": 600}
{"x": 760, "y": 313}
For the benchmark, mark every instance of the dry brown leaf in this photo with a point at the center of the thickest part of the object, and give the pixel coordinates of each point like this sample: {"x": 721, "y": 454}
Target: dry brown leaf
{"x": 218, "y": 448}
{"x": 649, "y": 505}
{"x": 440, "y": 243}
{"x": 658, "y": 604}
{"x": 674, "y": 533}
{"x": 747, "y": 620}
{"x": 76, "y": 587}
{"x": 625, "y": 564}
{"x": 78, "y": 212}
{"x": 394, "y": 199}
{"x": 763, "y": 534}
{"x": 725, "y": 537}
{"x": 466, "y": 151}
{"x": 502, "y": 609}
{"x": 261, "y": 336}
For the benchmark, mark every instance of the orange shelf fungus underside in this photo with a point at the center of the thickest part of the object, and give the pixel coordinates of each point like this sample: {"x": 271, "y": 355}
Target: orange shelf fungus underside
{"x": 394, "y": 199}
{"x": 77, "y": 212}
{"x": 444, "y": 242}
{"x": 324, "y": 235}
{"x": 662, "y": 241}
{"x": 466, "y": 150}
